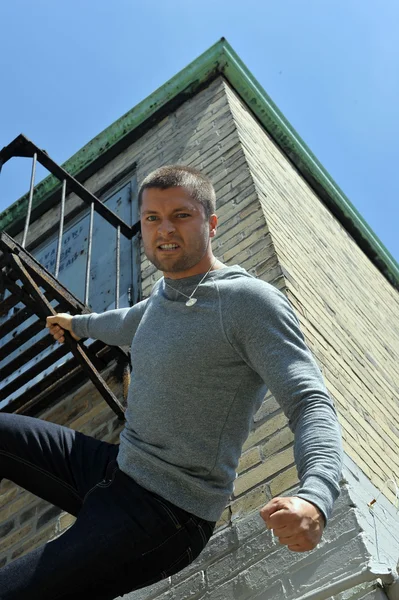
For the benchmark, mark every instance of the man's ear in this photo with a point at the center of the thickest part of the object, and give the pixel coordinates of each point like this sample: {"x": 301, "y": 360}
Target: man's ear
{"x": 213, "y": 223}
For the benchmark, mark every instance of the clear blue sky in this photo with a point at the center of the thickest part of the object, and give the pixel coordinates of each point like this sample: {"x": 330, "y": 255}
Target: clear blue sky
{"x": 69, "y": 68}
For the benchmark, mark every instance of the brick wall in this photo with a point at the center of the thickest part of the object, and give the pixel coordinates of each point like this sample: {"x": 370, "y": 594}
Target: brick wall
{"x": 348, "y": 311}
{"x": 257, "y": 191}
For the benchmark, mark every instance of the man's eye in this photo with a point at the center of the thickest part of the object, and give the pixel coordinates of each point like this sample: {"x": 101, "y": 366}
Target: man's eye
{"x": 182, "y": 215}
{"x": 151, "y": 218}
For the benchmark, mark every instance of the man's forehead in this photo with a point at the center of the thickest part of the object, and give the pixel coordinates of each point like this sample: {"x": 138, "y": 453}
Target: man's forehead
{"x": 174, "y": 198}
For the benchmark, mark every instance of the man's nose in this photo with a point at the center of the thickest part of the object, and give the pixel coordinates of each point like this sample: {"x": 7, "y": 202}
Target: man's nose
{"x": 166, "y": 227}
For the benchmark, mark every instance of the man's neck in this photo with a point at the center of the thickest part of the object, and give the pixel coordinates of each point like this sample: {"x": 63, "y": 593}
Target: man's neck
{"x": 202, "y": 267}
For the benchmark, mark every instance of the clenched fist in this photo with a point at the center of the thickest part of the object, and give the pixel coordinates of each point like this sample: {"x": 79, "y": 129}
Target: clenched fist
{"x": 58, "y": 324}
{"x": 298, "y": 524}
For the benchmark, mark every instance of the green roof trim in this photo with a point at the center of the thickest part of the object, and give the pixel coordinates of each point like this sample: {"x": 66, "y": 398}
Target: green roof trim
{"x": 220, "y": 59}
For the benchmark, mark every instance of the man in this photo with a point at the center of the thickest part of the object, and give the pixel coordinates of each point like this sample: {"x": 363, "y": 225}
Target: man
{"x": 205, "y": 346}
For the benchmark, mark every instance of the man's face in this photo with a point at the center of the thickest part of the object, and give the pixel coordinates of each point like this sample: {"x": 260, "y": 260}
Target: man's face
{"x": 171, "y": 217}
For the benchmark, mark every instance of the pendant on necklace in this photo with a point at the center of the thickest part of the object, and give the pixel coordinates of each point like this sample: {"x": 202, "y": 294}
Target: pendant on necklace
{"x": 191, "y": 301}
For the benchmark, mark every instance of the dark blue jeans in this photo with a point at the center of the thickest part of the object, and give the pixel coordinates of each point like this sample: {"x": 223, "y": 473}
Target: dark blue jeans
{"x": 124, "y": 538}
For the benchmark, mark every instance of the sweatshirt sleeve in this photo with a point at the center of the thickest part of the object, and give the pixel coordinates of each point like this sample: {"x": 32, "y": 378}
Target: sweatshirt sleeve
{"x": 114, "y": 327}
{"x": 265, "y": 331}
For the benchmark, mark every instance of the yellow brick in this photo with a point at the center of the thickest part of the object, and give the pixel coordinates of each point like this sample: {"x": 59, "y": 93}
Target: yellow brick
{"x": 65, "y": 521}
{"x": 60, "y": 412}
{"x": 14, "y": 537}
{"x": 348, "y": 428}
{"x": 34, "y": 541}
{"x": 283, "y": 482}
{"x": 85, "y": 418}
{"x": 243, "y": 245}
{"x": 394, "y": 457}
{"x": 249, "y": 459}
{"x": 18, "y": 504}
{"x": 365, "y": 455}
{"x": 263, "y": 431}
{"x": 366, "y": 428}
{"x": 225, "y": 519}
{"x": 269, "y": 406}
{"x": 356, "y": 458}
{"x": 273, "y": 465}
{"x": 386, "y": 428}
{"x": 8, "y": 496}
{"x": 379, "y": 457}
{"x": 250, "y": 501}
{"x": 336, "y": 395}
{"x": 6, "y": 485}
{"x": 279, "y": 440}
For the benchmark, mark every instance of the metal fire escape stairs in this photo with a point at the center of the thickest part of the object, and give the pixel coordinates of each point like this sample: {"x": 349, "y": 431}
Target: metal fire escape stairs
{"x": 24, "y": 280}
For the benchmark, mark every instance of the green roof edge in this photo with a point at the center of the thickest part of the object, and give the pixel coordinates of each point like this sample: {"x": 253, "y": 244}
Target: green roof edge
{"x": 221, "y": 59}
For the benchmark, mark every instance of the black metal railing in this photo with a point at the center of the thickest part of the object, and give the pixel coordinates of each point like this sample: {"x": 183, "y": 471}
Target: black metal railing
{"x": 22, "y": 147}
{"x": 40, "y": 293}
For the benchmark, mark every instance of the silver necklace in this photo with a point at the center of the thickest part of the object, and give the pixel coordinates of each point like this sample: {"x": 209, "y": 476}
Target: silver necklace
{"x": 191, "y": 301}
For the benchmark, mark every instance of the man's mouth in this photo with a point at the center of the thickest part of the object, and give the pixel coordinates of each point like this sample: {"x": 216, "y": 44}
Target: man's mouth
{"x": 168, "y": 247}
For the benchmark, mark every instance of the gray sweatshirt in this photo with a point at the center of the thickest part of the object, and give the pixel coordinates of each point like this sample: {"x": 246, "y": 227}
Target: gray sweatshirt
{"x": 199, "y": 375}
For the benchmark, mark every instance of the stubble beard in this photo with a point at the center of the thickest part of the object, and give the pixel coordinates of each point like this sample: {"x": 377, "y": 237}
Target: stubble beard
{"x": 181, "y": 263}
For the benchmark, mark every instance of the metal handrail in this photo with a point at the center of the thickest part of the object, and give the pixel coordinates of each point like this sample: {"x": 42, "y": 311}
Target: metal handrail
{"x": 23, "y": 147}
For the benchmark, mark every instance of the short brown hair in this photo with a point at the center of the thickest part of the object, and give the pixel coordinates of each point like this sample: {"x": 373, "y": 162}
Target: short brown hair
{"x": 197, "y": 185}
